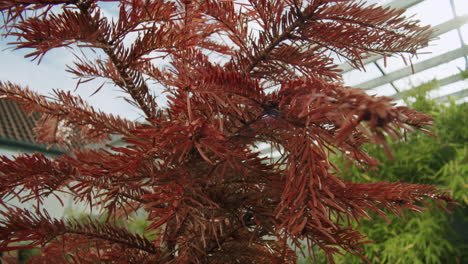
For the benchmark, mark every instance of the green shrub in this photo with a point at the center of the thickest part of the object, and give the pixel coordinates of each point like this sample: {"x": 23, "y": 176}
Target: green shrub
{"x": 432, "y": 236}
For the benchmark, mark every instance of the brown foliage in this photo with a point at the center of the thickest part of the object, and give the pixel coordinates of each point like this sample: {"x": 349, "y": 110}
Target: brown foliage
{"x": 192, "y": 166}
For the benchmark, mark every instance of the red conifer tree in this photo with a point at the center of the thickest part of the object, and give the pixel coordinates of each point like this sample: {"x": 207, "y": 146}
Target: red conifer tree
{"x": 192, "y": 166}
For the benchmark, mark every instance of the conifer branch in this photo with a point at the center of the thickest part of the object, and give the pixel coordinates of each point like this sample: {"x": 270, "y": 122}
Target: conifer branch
{"x": 87, "y": 123}
{"x": 276, "y": 40}
{"x": 21, "y": 226}
{"x": 208, "y": 195}
{"x": 135, "y": 85}
{"x": 132, "y": 81}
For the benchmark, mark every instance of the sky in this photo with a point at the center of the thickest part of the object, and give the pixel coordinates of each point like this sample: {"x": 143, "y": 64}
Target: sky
{"x": 51, "y": 74}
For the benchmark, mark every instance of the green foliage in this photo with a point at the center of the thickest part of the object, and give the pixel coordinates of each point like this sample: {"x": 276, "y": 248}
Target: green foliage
{"x": 26, "y": 254}
{"x": 464, "y": 73}
{"x": 431, "y": 237}
{"x": 419, "y": 92}
{"x": 137, "y": 223}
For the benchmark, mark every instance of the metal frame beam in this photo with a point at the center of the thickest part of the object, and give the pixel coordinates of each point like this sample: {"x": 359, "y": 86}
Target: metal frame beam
{"x": 403, "y": 4}
{"x": 418, "y": 67}
{"x": 438, "y": 30}
{"x": 445, "y": 81}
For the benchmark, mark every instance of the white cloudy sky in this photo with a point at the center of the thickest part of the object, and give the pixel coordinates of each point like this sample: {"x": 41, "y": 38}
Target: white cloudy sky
{"x": 51, "y": 74}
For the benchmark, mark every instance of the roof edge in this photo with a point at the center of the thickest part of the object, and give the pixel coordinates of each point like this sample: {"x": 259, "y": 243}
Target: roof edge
{"x": 28, "y": 146}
